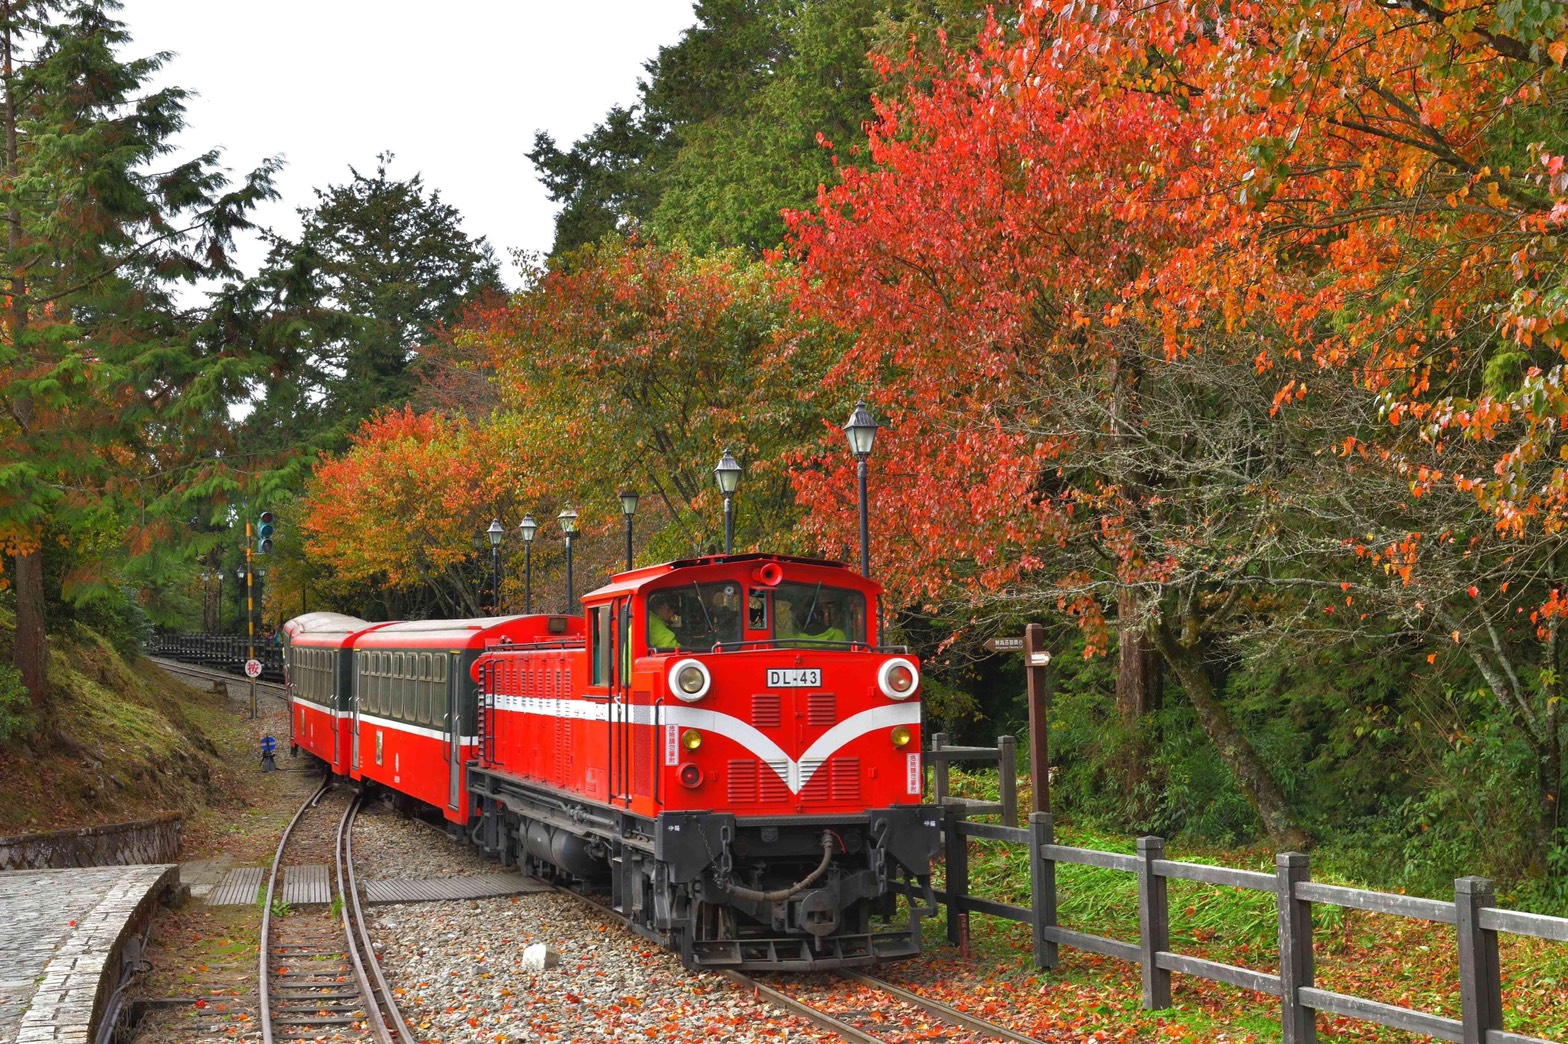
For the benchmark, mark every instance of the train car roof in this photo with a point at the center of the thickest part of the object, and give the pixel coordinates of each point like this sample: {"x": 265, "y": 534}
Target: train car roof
{"x": 454, "y": 634}
{"x": 326, "y": 630}
{"x": 636, "y": 579}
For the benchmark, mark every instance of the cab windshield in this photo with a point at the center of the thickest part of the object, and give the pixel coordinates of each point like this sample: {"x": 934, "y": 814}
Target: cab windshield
{"x": 694, "y": 617}
{"x": 805, "y": 613}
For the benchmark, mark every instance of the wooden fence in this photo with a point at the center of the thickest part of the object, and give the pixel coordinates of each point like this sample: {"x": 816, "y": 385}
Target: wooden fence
{"x": 1476, "y": 919}
{"x": 1005, "y": 754}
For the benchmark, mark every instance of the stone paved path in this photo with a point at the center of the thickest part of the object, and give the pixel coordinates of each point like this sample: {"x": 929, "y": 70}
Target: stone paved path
{"x": 60, "y": 937}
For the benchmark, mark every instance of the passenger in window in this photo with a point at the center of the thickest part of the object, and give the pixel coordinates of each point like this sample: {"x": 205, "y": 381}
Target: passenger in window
{"x": 663, "y": 617}
{"x": 819, "y": 628}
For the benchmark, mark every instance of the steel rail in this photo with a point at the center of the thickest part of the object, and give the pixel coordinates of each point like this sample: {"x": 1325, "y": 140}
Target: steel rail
{"x": 796, "y": 1006}
{"x": 374, "y": 1018}
{"x": 266, "y": 910}
{"x": 175, "y": 666}
{"x": 946, "y": 1012}
{"x": 349, "y": 890}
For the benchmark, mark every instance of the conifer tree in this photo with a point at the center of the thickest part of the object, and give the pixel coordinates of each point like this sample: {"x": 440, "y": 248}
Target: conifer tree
{"x": 103, "y": 395}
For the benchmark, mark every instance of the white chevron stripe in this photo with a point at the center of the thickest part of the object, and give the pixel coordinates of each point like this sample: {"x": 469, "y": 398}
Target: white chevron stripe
{"x": 795, "y": 774}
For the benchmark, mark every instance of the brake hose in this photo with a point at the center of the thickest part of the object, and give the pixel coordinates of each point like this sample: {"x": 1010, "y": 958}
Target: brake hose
{"x": 742, "y": 892}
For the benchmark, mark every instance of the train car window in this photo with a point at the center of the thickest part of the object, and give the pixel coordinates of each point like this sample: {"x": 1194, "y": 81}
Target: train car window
{"x": 424, "y": 666}
{"x": 623, "y": 631}
{"x": 599, "y": 628}
{"x": 806, "y": 613}
{"x": 693, "y": 616}
{"x": 440, "y": 674}
{"x": 757, "y": 611}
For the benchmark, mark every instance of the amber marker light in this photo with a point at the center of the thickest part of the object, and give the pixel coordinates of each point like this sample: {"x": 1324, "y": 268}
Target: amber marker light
{"x": 691, "y": 739}
{"x": 902, "y": 736}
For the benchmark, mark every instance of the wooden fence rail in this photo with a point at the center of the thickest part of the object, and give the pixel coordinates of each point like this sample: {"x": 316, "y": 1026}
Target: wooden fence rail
{"x": 1473, "y": 913}
{"x": 1005, "y": 754}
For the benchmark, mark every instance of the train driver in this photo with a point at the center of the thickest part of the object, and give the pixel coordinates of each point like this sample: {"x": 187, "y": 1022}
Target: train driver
{"x": 662, "y": 617}
{"x": 819, "y": 628}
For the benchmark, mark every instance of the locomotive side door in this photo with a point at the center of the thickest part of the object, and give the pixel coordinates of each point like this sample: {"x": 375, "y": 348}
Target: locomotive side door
{"x": 621, "y": 711}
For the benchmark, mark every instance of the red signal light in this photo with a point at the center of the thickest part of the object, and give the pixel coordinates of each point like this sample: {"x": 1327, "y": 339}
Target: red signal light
{"x": 691, "y": 776}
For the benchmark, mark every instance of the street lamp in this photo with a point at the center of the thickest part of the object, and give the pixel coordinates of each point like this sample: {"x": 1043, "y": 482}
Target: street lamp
{"x": 528, "y": 527}
{"x": 568, "y": 520}
{"x": 494, "y": 533}
{"x": 628, "y": 508}
{"x": 862, "y": 434}
{"x": 727, "y": 474}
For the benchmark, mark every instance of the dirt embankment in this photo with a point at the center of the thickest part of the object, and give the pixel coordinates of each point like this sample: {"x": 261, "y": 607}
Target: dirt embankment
{"x": 123, "y": 741}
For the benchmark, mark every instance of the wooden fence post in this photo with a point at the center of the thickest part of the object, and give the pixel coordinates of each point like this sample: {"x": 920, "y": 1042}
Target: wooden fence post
{"x": 1007, "y": 768}
{"x": 1042, "y": 887}
{"x": 1154, "y": 923}
{"x": 1480, "y": 976}
{"x": 939, "y": 780}
{"x": 956, "y": 857}
{"x": 1295, "y": 947}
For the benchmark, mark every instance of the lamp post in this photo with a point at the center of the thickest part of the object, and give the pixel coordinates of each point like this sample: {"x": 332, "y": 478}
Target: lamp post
{"x": 862, "y": 434}
{"x": 528, "y": 527}
{"x": 494, "y": 532}
{"x": 628, "y": 499}
{"x": 727, "y": 474}
{"x": 568, "y": 520}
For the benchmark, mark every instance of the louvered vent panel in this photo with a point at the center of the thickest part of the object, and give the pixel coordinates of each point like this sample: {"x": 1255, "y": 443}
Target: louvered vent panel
{"x": 821, "y": 708}
{"x": 643, "y": 761}
{"x": 771, "y": 787}
{"x": 563, "y": 742}
{"x": 766, "y": 710}
{"x": 742, "y": 777}
{"x": 816, "y": 788}
{"x": 846, "y": 779}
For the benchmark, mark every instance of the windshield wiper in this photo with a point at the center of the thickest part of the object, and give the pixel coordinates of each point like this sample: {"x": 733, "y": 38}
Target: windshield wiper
{"x": 704, "y": 607}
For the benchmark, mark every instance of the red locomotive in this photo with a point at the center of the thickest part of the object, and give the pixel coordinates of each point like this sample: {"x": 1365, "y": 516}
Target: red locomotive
{"x": 719, "y": 743}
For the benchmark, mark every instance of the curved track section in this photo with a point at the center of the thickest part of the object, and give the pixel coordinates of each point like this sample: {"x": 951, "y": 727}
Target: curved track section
{"x": 318, "y": 973}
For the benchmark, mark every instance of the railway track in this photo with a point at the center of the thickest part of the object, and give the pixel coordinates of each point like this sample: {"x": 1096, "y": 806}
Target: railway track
{"x": 208, "y": 674}
{"x": 319, "y": 976}
{"x": 896, "y": 1016}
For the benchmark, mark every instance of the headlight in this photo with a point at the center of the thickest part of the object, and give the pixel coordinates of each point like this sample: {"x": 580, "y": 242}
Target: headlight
{"x": 689, "y": 680}
{"x": 898, "y": 678}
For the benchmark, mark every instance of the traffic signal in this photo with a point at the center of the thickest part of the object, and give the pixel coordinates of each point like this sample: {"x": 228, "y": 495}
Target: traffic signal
{"x": 264, "y": 530}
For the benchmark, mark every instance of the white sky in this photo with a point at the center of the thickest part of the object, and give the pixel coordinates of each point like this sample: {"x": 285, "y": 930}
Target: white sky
{"x": 456, "y": 90}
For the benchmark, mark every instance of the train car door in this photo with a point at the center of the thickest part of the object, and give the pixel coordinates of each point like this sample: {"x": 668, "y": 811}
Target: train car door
{"x": 454, "y": 727}
{"x": 356, "y": 697}
{"x": 622, "y": 713}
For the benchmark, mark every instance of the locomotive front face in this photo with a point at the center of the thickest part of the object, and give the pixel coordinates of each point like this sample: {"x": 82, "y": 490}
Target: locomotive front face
{"x": 737, "y": 761}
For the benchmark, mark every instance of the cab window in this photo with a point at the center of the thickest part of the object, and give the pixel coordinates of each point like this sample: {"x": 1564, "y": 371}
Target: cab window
{"x": 599, "y": 628}
{"x": 806, "y": 613}
{"x": 694, "y": 617}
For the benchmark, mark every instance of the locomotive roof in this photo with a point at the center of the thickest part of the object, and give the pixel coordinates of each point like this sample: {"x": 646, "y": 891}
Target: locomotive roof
{"x": 636, "y": 579}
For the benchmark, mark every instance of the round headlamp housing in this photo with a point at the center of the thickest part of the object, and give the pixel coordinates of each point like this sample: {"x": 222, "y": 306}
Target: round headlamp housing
{"x": 689, "y": 680}
{"x": 898, "y": 678}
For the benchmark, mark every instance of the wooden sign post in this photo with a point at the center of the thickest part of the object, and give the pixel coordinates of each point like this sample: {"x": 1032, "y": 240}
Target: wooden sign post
{"x": 1037, "y": 661}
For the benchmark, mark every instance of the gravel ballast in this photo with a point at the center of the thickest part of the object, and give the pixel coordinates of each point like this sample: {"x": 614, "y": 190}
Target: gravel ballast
{"x": 458, "y": 969}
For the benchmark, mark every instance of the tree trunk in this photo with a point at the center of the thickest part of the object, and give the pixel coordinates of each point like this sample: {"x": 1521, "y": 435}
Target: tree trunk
{"x": 1260, "y": 788}
{"x": 1138, "y": 677}
{"x": 32, "y": 651}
